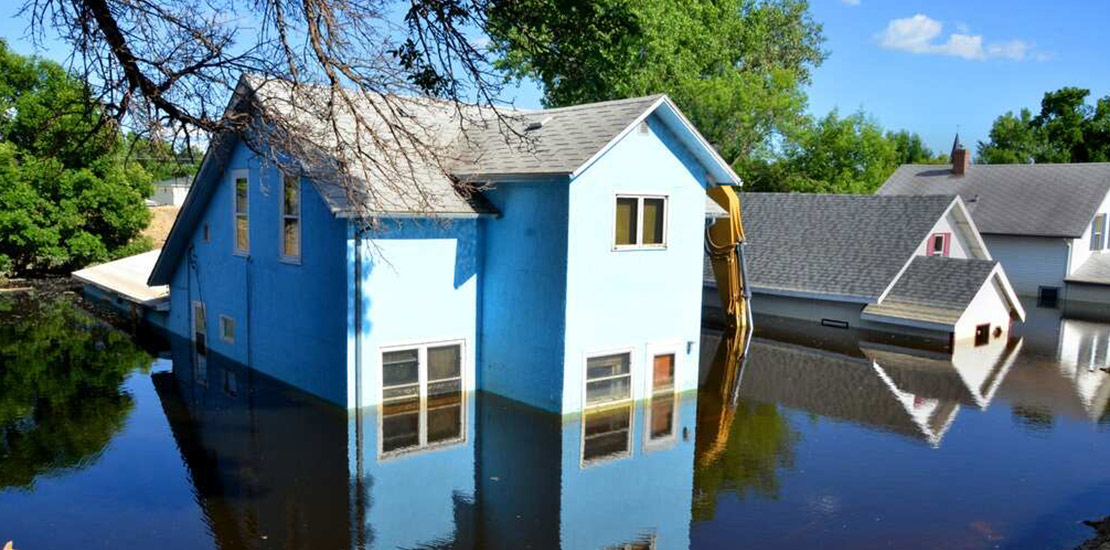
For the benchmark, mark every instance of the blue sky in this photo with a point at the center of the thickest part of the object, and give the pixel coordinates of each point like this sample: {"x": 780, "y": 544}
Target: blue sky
{"x": 926, "y": 66}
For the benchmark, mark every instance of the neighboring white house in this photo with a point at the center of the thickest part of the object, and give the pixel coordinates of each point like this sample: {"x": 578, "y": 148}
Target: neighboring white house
{"x": 910, "y": 265}
{"x": 1046, "y": 223}
{"x": 171, "y": 192}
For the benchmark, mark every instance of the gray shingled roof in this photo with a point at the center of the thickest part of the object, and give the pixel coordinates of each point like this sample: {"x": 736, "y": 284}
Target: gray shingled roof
{"x": 568, "y": 137}
{"x": 935, "y": 289}
{"x": 844, "y": 245}
{"x": 1096, "y": 270}
{"x": 1056, "y": 200}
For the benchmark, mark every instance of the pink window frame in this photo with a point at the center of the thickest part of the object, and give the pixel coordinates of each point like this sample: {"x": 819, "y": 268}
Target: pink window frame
{"x": 947, "y": 243}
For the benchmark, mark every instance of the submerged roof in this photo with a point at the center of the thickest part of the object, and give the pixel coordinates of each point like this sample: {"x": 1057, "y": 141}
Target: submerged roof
{"x": 935, "y": 289}
{"x": 847, "y": 246}
{"x": 1051, "y": 200}
{"x": 127, "y": 277}
{"x": 1096, "y": 270}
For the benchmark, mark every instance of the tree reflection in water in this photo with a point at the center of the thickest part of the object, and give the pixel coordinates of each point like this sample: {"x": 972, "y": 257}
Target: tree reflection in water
{"x": 741, "y": 444}
{"x": 61, "y": 401}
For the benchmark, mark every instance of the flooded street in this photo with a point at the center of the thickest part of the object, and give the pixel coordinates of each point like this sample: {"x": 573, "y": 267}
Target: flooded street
{"x": 814, "y": 438}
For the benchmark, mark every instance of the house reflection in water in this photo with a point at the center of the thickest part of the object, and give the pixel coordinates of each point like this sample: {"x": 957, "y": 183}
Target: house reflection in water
{"x": 276, "y": 468}
{"x": 1062, "y": 371}
{"x": 836, "y": 374}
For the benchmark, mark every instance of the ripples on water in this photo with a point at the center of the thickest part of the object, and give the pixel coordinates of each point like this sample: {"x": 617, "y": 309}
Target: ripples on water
{"x": 798, "y": 438}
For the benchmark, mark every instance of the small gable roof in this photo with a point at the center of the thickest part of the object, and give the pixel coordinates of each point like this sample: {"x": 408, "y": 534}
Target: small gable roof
{"x": 938, "y": 290}
{"x": 1049, "y": 200}
{"x": 849, "y": 247}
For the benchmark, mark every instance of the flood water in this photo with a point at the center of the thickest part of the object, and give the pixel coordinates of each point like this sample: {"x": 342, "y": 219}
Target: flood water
{"x": 797, "y": 439}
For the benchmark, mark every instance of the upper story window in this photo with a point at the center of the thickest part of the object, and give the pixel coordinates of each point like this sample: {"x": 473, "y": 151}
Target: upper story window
{"x": 242, "y": 215}
{"x": 939, "y": 244}
{"x": 641, "y": 222}
{"x": 1098, "y": 232}
{"x": 291, "y": 218}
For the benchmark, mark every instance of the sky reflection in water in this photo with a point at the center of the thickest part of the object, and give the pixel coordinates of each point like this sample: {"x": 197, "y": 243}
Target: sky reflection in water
{"x": 813, "y": 439}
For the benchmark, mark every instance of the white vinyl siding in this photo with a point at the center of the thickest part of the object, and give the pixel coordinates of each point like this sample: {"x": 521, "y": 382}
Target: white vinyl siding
{"x": 1031, "y": 262}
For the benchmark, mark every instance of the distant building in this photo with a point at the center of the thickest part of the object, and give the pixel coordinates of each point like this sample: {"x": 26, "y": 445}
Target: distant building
{"x": 907, "y": 265}
{"x": 1046, "y": 223}
{"x": 171, "y": 192}
{"x": 572, "y": 281}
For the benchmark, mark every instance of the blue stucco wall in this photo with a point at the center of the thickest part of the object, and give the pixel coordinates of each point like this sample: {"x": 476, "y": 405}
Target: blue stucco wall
{"x": 635, "y": 300}
{"x": 419, "y": 285}
{"x": 524, "y": 296}
{"x": 289, "y": 319}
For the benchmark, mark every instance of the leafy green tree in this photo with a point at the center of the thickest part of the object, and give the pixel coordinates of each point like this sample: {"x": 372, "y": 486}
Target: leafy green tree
{"x": 1067, "y": 129}
{"x": 833, "y": 155}
{"x": 737, "y": 67}
{"x": 161, "y": 160}
{"x": 61, "y": 399}
{"x": 67, "y": 198}
{"x": 911, "y": 149}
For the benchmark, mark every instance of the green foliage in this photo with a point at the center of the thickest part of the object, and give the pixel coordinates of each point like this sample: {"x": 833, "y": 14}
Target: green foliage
{"x": 60, "y": 388}
{"x": 736, "y": 68}
{"x": 1066, "y": 129}
{"x": 161, "y": 160}
{"x": 909, "y": 148}
{"x": 66, "y": 196}
{"x": 835, "y": 155}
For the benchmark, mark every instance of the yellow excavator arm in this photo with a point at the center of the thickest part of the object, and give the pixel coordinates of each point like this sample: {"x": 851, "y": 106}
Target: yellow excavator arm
{"x": 724, "y": 240}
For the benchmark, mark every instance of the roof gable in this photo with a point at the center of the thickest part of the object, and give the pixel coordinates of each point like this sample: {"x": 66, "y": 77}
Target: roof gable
{"x": 1050, "y": 200}
{"x": 850, "y": 247}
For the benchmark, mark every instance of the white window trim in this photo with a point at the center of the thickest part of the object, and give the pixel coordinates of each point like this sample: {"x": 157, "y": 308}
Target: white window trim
{"x": 224, "y": 320}
{"x": 236, "y": 175}
{"x": 632, "y": 364}
{"x": 640, "y": 222}
{"x": 1100, "y": 222}
{"x": 282, "y": 257}
{"x": 422, "y": 377}
{"x": 671, "y": 348}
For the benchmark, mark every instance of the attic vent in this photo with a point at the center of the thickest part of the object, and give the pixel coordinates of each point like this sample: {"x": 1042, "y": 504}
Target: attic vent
{"x": 537, "y": 124}
{"x": 643, "y": 128}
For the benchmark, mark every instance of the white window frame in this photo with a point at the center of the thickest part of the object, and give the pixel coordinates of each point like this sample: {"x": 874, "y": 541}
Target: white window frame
{"x": 282, "y": 216}
{"x": 631, "y": 375}
{"x": 235, "y": 176}
{"x": 1098, "y": 232}
{"x": 422, "y": 396}
{"x": 639, "y": 244}
{"x": 674, "y": 349}
{"x": 226, "y": 321}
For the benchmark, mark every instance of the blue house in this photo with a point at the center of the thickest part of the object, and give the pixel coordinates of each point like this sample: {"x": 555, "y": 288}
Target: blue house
{"x": 571, "y": 280}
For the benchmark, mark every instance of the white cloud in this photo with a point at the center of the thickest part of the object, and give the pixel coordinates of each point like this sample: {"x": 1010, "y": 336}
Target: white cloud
{"x": 920, "y": 33}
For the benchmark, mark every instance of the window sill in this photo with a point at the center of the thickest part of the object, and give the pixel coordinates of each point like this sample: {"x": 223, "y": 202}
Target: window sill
{"x": 634, "y": 247}
{"x": 289, "y": 261}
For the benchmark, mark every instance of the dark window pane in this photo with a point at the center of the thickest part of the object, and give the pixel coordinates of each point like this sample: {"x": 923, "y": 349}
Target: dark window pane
{"x": 653, "y": 221}
{"x": 400, "y": 368}
{"x": 291, "y": 242}
{"x": 604, "y": 391}
{"x": 401, "y": 425}
{"x": 241, "y": 195}
{"x": 445, "y": 418}
{"x": 663, "y": 372}
{"x": 444, "y": 362}
{"x": 626, "y": 220}
{"x": 662, "y": 417}
{"x": 606, "y": 433}
{"x": 292, "y": 205}
{"x": 608, "y": 365}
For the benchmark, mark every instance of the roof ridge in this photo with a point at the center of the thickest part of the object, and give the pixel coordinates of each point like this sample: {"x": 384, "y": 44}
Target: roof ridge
{"x": 608, "y": 102}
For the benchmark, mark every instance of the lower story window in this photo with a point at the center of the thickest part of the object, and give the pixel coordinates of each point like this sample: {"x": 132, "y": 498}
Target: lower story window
{"x": 608, "y": 378}
{"x": 606, "y": 433}
{"x": 983, "y": 334}
{"x": 660, "y": 418}
{"x": 1047, "y": 296}
{"x": 422, "y": 400}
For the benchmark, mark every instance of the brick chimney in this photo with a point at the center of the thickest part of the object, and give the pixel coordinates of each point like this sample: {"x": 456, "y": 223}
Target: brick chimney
{"x": 961, "y": 161}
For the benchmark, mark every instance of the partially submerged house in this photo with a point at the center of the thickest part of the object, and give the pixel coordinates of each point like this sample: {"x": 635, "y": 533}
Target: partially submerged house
{"x": 120, "y": 285}
{"x": 909, "y": 265}
{"x": 1046, "y": 223}
{"x": 571, "y": 280}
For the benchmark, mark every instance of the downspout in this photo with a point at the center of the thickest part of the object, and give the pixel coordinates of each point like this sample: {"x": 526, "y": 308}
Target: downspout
{"x": 359, "y": 524}
{"x": 1067, "y": 270}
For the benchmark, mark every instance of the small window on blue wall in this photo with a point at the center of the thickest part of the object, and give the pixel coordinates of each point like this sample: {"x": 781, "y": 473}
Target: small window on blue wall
{"x": 291, "y": 217}
{"x": 227, "y": 329}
